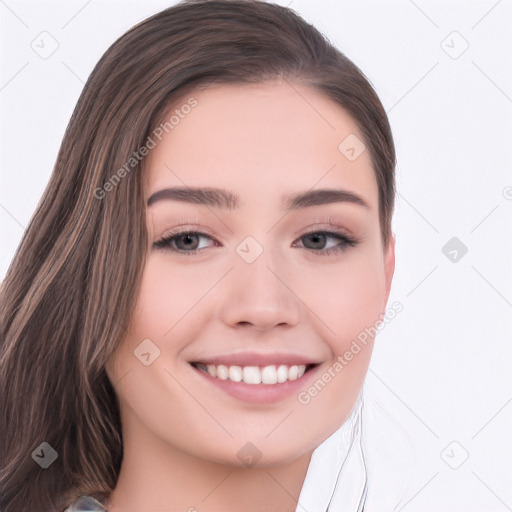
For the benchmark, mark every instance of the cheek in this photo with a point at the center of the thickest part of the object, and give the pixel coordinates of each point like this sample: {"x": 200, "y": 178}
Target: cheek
{"x": 164, "y": 313}
{"x": 354, "y": 302}
{"x": 168, "y": 299}
{"x": 349, "y": 300}
{"x": 347, "y": 297}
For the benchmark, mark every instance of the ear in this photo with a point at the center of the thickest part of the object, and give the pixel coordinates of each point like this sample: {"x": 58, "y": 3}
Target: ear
{"x": 389, "y": 266}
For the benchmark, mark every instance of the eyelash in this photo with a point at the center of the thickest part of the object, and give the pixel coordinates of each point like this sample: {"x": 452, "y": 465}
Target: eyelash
{"x": 346, "y": 242}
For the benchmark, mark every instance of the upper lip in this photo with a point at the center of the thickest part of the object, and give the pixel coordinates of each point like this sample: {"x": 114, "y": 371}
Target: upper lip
{"x": 255, "y": 359}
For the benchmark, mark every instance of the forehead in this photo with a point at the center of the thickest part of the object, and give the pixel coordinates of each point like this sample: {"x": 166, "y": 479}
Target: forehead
{"x": 260, "y": 140}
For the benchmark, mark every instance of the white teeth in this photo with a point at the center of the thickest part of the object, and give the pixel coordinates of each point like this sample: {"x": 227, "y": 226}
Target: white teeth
{"x": 255, "y": 375}
{"x": 282, "y": 373}
{"x": 293, "y": 372}
{"x": 269, "y": 375}
{"x": 235, "y": 373}
{"x": 222, "y": 372}
{"x": 252, "y": 375}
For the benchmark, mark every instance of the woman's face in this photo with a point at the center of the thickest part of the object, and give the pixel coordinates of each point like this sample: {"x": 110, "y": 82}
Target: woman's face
{"x": 265, "y": 262}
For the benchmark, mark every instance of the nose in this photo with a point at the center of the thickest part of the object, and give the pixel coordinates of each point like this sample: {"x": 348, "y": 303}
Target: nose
{"x": 259, "y": 295}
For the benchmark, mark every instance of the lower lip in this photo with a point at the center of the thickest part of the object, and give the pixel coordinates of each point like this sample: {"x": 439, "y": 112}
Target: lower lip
{"x": 260, "y": 393}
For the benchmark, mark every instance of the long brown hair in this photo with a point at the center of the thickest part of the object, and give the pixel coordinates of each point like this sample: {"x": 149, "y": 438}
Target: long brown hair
{"x": 68, "y": 295}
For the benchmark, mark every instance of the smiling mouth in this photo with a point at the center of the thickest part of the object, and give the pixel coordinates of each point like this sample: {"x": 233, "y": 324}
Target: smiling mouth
{"x": 271, "y": 374}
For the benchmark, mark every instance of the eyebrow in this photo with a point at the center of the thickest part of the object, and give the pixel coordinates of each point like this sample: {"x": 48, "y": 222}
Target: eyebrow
{"x": 222, "y": 198}
{"x": 321, "y": 196}
{"x": 214, "y": 197}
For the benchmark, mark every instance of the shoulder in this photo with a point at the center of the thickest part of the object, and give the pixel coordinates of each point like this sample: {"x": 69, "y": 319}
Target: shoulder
{"x": 86, "y": 504}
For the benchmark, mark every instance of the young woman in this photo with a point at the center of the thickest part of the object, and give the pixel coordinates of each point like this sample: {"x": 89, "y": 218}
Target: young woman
{"x": 190, "y": 316}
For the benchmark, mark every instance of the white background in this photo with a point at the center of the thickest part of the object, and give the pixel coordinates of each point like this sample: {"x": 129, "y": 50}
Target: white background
{"x": 441, "y": 368}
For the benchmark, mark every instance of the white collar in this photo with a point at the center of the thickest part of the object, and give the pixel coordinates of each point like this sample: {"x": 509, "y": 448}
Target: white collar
{"x": 338, "y": 479}
{"x": 336, "y": 476}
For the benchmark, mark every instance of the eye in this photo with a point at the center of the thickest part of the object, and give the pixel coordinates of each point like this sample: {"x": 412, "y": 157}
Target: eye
{"x": 319, "y": 242}
{"x": 326, "y": 242}
{"x": 185, "y": 242}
